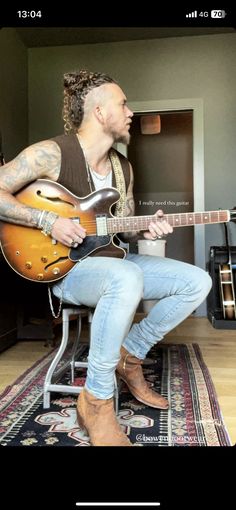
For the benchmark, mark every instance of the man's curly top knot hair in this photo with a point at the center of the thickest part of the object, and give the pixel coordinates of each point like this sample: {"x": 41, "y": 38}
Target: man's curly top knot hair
{"x": 76, "y": 87}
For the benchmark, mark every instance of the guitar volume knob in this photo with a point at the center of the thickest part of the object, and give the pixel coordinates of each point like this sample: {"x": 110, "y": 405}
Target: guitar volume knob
{"x": 56, "y": 270}
{"x": 28, "y": 264}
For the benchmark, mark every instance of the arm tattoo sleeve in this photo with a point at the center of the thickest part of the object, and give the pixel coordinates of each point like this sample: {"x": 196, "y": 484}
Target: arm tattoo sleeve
{"x": 37, "y": 161}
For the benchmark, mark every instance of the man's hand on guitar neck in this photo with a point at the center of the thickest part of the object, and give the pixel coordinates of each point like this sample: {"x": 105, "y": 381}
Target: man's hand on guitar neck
{"x": 158, "y": 228}
{"x": 68, "y": 232}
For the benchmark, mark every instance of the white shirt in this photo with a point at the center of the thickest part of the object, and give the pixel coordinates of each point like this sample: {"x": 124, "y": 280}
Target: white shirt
{"x": 100, "y": 181}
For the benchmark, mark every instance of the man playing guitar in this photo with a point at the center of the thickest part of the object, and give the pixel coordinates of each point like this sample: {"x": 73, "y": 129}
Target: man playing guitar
{"x": 96, "y": 116}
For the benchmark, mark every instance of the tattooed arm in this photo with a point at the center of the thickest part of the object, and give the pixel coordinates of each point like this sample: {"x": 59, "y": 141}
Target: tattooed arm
{"x": 37, "y": 161}
{"x": 41, "y": 160}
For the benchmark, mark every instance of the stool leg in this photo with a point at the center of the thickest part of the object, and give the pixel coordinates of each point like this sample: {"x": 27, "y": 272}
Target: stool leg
{"x": 55, "y": 361}
{"x": 54, "y": 372}
{"x": 46, "y": 399}
{"x": 75, "y": 348}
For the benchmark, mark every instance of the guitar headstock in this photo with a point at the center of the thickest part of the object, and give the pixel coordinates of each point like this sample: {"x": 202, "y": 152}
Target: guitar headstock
{"x": 233, "y": 214}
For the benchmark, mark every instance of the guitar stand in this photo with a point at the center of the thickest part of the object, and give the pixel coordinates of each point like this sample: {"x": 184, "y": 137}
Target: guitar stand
{"x": 215, "y": 312}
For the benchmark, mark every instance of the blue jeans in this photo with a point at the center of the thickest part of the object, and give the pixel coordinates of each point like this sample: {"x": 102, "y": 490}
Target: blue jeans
{"x": 114, "y": 287}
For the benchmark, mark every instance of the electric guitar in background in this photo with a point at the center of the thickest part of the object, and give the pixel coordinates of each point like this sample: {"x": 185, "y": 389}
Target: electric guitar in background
{"x": 226, "y": 281}
{"x": 43, "y": 259}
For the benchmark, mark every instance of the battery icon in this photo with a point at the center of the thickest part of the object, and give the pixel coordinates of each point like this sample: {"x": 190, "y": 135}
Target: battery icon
{"x": 218, "y": 14}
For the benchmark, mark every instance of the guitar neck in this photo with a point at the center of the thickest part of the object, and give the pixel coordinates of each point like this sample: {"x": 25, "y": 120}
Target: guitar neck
{"x": 135, "y": 223}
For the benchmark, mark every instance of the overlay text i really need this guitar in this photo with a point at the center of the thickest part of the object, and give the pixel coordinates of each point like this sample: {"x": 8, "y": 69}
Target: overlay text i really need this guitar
{"x": 40, "y": 258}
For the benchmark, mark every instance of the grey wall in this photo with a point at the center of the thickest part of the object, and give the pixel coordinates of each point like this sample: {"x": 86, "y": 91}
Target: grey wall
{"x": 14, "y": 129}
{"x": 13, "y": 93}
{"x": 185, "y": 67}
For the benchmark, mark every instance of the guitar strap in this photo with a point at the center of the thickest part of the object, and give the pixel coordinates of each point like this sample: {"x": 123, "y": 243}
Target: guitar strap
{"x": 120, "y": 183}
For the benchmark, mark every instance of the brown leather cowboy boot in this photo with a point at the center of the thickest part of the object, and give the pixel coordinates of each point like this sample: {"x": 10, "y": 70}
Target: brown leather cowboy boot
{"x": 130, "y": 371}
{"x": 98, "y": 419}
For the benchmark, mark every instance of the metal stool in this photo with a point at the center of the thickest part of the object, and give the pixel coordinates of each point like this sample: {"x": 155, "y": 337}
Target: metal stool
{"x": 52, "y": 379}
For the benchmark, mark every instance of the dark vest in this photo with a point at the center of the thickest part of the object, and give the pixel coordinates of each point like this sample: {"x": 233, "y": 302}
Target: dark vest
{"x": 73, "y": 173}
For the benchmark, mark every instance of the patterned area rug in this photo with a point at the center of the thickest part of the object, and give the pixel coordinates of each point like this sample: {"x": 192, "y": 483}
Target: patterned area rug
{"x": 178, "y": 372}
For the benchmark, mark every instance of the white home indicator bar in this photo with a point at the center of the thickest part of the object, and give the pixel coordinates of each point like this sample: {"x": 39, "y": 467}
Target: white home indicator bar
{"x": 119, "y": 504}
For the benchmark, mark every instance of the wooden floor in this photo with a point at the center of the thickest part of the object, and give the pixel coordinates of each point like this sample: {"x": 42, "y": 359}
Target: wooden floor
{"x": 218, "y": 348}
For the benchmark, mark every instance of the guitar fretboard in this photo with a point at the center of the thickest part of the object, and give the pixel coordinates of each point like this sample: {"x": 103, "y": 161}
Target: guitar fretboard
{"x": 133, "y": 223}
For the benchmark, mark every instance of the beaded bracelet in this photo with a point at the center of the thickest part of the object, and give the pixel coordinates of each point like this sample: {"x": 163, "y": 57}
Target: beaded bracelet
{"x": 47, "y": 222}
{"x": 39, "y": 224}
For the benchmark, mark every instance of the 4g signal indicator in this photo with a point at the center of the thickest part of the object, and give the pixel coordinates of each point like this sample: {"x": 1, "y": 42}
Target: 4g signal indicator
{"x": 195, "y": 14}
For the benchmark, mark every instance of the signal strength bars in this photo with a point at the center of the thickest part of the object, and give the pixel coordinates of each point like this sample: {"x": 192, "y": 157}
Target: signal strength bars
{"x": 191, "y": 14}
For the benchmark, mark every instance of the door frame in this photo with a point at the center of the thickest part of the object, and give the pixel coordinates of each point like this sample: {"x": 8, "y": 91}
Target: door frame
{"x": 196, "y": 106}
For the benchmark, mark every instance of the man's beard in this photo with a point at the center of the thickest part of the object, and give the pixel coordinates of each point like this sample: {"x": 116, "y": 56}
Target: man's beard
{"x": 122, "y": 138}
{"x": 117, "y": 136}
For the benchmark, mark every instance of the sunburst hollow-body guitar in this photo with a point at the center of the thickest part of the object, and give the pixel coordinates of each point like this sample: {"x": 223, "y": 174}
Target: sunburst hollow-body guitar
{"x": 39, "y": 258}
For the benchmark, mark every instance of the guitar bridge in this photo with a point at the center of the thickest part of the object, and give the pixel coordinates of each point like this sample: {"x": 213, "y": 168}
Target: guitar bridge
{"x": 101, "y": 223}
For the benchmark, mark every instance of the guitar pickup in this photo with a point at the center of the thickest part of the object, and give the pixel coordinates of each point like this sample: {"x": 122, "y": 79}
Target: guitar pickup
{"x": 76, "y": 218}
{"x": 101, "y": 223}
